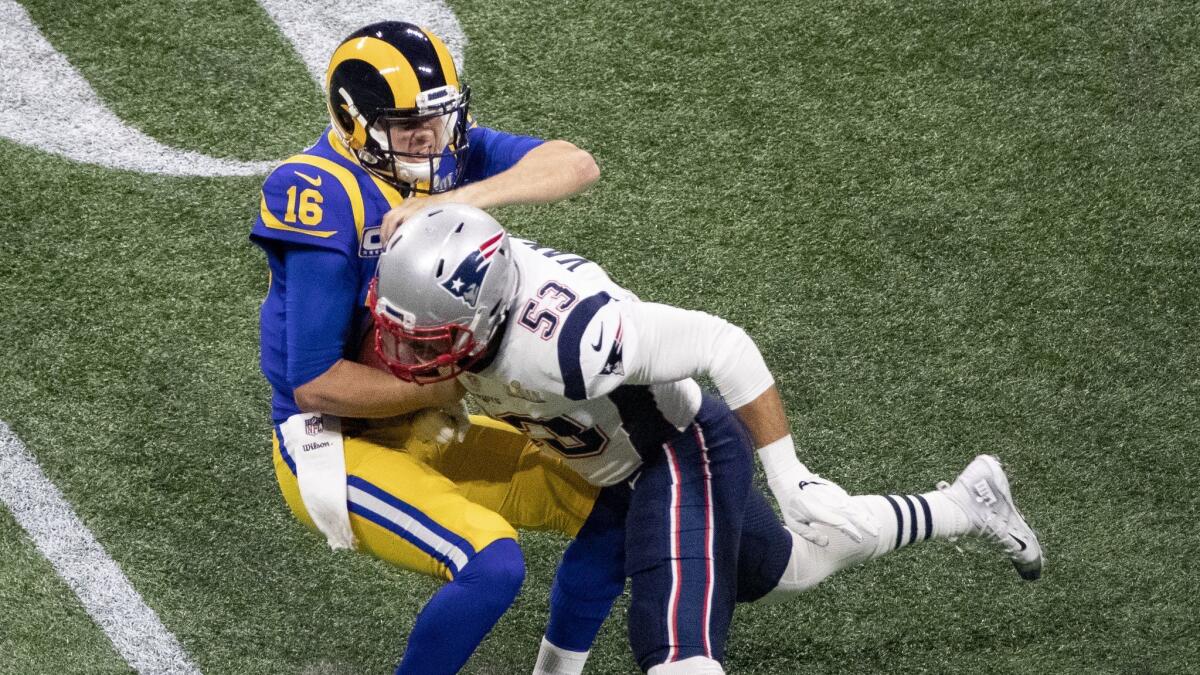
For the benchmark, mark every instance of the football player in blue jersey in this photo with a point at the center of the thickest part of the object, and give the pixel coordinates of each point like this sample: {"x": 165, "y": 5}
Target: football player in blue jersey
{"x": 545, "y": 341}
{"x": 401, "y": 130}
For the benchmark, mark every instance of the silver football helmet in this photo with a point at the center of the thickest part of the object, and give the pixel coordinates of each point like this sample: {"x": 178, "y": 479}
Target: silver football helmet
{"x": 443, "y": 288}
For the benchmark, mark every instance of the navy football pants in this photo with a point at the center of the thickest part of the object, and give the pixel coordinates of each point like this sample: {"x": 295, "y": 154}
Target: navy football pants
{"x": 693, "y": 536}
{"x": 681, "y": 540}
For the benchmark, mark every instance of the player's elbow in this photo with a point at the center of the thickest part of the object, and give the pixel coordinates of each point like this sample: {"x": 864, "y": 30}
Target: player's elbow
{"x": 313, "y": 394}
{"x": 587, "y": 171}
{"x": 737, "y": 366}
{"x": 308, "y": 398}
{"x": 739, "y": 349}
{"x": 577, "y": 163}
{"x": 730, "y": 339}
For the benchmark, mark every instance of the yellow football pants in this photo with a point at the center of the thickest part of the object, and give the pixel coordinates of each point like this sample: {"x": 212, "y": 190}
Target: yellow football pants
{"x": 429, "y": 510}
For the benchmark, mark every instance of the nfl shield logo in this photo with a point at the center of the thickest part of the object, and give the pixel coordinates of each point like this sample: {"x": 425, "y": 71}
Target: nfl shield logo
{"x": 314, "y": 425}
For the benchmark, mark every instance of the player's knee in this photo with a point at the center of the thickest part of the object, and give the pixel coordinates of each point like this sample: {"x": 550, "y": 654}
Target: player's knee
{"x": 810, "y": 564}
{"x": 499, "y": 569}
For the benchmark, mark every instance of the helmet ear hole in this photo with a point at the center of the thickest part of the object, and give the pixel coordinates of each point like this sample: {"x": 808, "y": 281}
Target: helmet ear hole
{"x": 441, "y": 266}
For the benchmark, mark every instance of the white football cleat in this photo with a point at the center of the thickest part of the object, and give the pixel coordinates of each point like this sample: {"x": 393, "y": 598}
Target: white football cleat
{"x": 981, "y": 491}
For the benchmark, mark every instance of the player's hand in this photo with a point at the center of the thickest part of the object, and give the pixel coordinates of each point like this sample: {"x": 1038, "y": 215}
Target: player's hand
{"x": 392, "y": 220}
{"x": 442, "y": 426}
{"x": 807, "y": 499}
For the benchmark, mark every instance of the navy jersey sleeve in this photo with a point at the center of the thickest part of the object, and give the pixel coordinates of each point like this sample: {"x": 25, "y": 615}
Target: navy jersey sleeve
{"x": 493, "y": 151}
{"x": 322, "y": 292}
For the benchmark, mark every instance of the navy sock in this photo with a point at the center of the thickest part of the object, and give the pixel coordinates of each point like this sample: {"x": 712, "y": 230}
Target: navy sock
{"x": 462, "y": 612}
{"x": 765, "y": 550}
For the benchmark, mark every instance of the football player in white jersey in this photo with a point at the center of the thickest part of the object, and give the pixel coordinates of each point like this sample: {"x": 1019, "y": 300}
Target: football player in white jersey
{"x": 545, "y": 341}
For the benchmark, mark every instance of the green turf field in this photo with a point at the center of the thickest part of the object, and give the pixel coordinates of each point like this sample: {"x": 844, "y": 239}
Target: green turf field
{"x": 951, "y": 227}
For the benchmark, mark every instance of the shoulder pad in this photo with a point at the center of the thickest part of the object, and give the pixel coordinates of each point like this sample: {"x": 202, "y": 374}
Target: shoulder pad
{"x": 592, "y": 348}
{"x": 311, "y": 200}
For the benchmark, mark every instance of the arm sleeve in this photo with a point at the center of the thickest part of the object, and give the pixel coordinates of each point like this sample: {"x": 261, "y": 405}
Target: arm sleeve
{"x": 322, "y": 288}
{"x": 493, "y": 152}
{"x": 631, "y": 342}
{"x": 674, "y": 344}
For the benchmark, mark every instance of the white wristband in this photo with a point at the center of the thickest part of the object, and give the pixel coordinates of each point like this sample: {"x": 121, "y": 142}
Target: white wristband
{"x": 779, "y": 459}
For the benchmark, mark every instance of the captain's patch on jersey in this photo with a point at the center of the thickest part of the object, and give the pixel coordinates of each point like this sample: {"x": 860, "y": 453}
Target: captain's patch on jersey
{"x": 372, "y": 243}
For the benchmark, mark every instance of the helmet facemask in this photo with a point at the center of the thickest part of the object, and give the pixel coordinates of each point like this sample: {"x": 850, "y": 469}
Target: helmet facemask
{"x": 437, "y": 312}
{"x": 419, "y": 354}
{"x": 405, "y": 146}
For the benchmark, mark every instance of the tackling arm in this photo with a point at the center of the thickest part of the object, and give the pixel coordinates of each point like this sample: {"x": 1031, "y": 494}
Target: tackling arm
{"x": 322, "y": 291}
{"x": 351, "y": 389}
{"x": 674, "y": 344}
{"x": 549, "y": 172}
{"x": 552, "y": 171}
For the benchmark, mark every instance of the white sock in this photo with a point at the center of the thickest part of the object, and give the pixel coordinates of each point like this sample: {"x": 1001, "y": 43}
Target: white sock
{"x": 553, "y": 660}
{"x": 906, "y": 519}
{"x": 902, "y": 520}
{"x": 696, "y": 665}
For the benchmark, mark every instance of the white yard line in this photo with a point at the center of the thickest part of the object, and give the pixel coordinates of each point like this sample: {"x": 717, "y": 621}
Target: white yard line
{"x": 34, "y": 72}
{"x": 316, "y": 27}
{"x": 134, "y": 629}
{"x": 47, "y": 104}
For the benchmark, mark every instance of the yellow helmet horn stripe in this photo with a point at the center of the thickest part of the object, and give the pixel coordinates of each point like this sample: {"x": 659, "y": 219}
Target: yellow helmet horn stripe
{"x": 358, "y": 139}
{"x": 388, "y": 60}
{"x": 445, "y": 59}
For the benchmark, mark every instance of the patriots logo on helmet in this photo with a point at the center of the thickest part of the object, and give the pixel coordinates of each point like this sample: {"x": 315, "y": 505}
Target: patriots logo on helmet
{"x": 468, "y": 277}
{"x": 613, "y": 364}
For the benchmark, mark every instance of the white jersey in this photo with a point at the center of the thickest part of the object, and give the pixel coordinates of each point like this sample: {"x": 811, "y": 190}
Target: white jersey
{"x": 568, "y": 371}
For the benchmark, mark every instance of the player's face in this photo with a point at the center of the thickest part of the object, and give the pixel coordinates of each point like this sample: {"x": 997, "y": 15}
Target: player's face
{"x": 419, "y": 352}
{"x": 419, "y": 137}
{"x": 423, "y": 355}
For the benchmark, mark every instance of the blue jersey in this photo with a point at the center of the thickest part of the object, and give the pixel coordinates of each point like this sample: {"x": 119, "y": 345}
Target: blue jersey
{"x": 319, "y": 224}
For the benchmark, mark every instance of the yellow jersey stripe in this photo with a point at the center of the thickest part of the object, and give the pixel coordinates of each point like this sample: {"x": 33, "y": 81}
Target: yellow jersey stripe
{"x": 272, "y": 222}
{"x": 349, "y": 183}
{"x": 391, "y": 194}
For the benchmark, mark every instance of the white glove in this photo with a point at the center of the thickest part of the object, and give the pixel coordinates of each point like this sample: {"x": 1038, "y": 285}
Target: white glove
{"x": 442, "y": 425}
{"x": 807, "y": 499}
